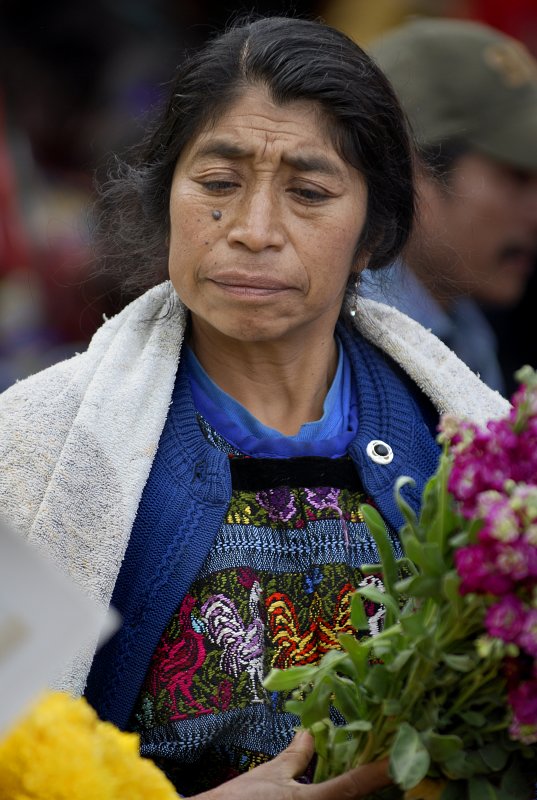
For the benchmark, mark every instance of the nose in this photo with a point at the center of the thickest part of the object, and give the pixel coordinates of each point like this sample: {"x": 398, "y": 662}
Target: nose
{"x": 258, "y": 222}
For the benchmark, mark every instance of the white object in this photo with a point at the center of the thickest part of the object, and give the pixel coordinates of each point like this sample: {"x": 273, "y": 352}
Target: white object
{"x": 44, "y": 620}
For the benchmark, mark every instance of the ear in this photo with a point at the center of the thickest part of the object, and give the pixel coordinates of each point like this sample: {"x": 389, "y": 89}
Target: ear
{"x": 360, "y": 264}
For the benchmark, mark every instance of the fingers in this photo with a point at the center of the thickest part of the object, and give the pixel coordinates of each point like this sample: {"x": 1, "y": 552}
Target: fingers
{"x": 354, "y": 784}
{"x": 296, "y": 757}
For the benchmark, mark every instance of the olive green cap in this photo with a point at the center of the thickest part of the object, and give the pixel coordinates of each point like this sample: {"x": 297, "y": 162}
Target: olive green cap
{"x": 464, "y": 81}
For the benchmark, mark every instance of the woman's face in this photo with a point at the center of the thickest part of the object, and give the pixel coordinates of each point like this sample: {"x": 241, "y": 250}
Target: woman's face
{"x": 265, "y": 218}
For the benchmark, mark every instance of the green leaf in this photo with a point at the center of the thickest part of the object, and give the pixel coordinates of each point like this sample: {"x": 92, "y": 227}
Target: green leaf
{"x": 345, "y": 698}
{"x": 412, "y": 547}
{"x": 409, "y": 759}
{"x": 460, "y": 663}
{"x": 400, "y": 660}
{"x": 516, "y": 783}
{"x": 454, "y": 790}
{"x": 474, "y": 718}
{"x": 321, "y": 732}
{"x": 421, "y": 586}
{"x": 459, "y": 540}
{"x": 370, "y": 569}
{"x": 358, "y": 616}
{"x": 457, "y": 767}
{"x": 443, "y": 748}
{"x": 413, "y": 626}
{"x": 450, "y": 588}
{"x": 481, "y": 789}
{"x": 391, "y": 707}
{"x": 406, "y": 565}
{"x": 433, "y": 559}
{"x": 378, "y": 681}
{"x": 382, "y": 598}
{"x": 407, "y": 512}
{"x": 376, "y": 525}
{"x": 316, "y": 705}
{"x": 494, "y": 756}
{"x": 358, "y": 652}
{"x": 359, "y": 725}
{"x": 284, "y": 680}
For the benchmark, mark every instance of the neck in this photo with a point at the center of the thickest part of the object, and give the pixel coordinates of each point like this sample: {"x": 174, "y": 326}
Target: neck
{"x": 432, "y": 266}
{"x": 283, "y": 385}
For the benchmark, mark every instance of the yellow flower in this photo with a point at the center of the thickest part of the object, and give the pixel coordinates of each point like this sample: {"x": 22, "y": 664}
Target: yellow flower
{"x": 61, "y": 751}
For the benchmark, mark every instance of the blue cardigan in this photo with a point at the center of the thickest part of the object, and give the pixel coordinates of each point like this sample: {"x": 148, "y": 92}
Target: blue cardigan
{"x": 187, "y": 495}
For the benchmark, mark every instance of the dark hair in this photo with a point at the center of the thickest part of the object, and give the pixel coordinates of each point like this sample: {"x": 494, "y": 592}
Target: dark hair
{"x": 295, "y": 59}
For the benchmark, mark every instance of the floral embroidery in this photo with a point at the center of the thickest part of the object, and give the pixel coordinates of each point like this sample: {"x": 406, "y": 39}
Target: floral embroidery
{"x": 293, "y": 508}
{"x": 324, "y": 497}
{"x": 177, "y": 658}
{"x": 278, "y": 503}
{"x": 238, "y": 621}
{"x": 240, "y": 643}
{"x": 296, "y": 645}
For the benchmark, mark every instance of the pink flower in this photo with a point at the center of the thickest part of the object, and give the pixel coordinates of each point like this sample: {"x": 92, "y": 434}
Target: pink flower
{"x": 501, "y": 522}
{"x": 517, "y": 559}
{"x": 527, "y": 734}
{"x": 527, "y": 639}
{"x": 504, "y": 620}
{"x": 523, "y": 700}
{"x": 476, "y": 566}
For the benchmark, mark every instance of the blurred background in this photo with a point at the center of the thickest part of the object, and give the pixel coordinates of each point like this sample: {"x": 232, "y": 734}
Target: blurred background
{"x": 77, "y": 81}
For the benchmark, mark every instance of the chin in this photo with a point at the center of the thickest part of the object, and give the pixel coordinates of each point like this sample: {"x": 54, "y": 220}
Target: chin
{"x": 506, "y": 298}
{"x": 247, "y": 331}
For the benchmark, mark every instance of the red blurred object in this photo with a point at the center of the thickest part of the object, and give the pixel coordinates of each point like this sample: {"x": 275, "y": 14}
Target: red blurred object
{"x": 14, "y": 245}
{"x": 517, "y": 18}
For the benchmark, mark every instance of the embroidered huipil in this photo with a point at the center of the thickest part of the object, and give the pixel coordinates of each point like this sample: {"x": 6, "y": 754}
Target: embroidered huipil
{"x": 274, "y": 591}
{"x": 187, "y": 497}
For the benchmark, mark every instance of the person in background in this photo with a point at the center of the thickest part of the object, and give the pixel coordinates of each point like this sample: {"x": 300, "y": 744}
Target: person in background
{"x": 470, "y": 93}
{"x": 202, "y": 465}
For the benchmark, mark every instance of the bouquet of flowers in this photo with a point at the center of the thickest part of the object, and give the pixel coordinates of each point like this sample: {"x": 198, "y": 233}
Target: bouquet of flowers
{"x": 448, "y": 689}
{"x": 61, "y": 751}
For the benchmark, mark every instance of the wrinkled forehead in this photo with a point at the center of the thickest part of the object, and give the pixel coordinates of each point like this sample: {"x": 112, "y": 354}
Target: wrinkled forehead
{"x": 257, "y": 109}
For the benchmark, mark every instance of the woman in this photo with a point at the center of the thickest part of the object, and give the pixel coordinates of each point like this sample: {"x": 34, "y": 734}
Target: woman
{"x": 202, "y": 465}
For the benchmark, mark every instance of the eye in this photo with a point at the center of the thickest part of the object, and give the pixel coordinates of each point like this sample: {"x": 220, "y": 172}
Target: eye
{"x": 219, "y": 186}
{"x": 310, "y": 195}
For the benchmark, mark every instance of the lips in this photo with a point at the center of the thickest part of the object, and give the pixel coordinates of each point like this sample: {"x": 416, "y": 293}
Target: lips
{"x": 247, "y": 282}
{"x": 521, "y": 257}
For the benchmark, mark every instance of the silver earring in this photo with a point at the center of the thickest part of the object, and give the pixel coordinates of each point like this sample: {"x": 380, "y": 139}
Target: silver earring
{"x": 217, "y": 214}
{"x": 353, "y": 299}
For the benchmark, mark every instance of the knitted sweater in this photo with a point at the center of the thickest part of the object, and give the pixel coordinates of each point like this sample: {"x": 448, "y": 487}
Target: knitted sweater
{"x": 174, "y": 530}
{"x": 78, "y": 440}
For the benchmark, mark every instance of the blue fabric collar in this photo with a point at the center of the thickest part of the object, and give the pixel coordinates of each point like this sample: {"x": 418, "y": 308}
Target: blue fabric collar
{"x": 329, "y": 436}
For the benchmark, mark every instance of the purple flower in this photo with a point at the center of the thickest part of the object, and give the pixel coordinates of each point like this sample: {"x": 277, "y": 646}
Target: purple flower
{"x": 485, "y": 459}
{"x": 500, "y": 520}
{"x": 528, "y": 637}
{"x": 279, "y": 503}
{"x": 476, "y": 567}
{"x": 527, "y": 734}
{"x": 504, "y": 619}
{"x": 517, "y": 559}
{"x": 523, "y": 700}
{"x": 323, "y": 497}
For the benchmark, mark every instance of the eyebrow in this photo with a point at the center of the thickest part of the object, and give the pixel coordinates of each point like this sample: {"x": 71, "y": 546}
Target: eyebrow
{"x": 303, "y": 162}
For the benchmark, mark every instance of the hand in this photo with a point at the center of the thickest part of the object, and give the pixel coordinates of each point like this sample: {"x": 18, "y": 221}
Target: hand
{"x": 275, "y": 780}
